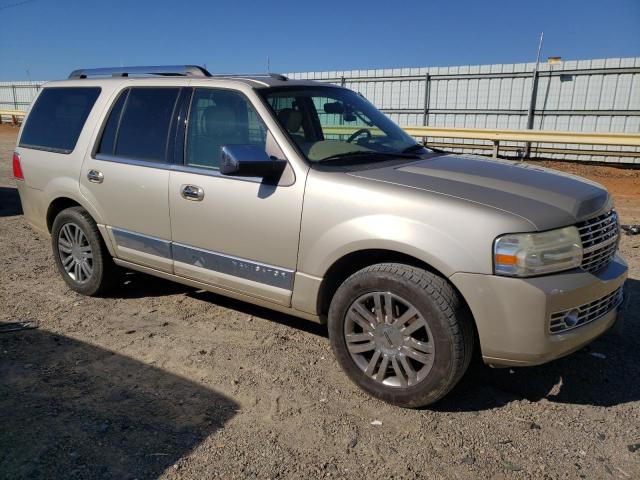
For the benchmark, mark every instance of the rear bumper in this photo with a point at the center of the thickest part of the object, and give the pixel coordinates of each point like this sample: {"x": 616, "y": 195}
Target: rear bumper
{"x": 512, "y": 315}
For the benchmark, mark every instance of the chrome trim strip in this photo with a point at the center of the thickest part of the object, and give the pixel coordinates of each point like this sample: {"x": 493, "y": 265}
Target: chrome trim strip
{"x": 238, "y": 267}
{"x": 219, "y": 262}
{"x": 142, "y": 243}
{"x": 131, "y": 161}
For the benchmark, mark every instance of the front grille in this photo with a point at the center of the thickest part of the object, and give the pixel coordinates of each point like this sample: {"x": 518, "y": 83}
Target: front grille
{"x": 599, "y": 237}
{"x": 565, "y": 320}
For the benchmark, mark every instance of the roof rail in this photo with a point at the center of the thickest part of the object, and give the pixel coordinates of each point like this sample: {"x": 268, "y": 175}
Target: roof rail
{"x": 277, "y": 76}
{"x": 162, "y": 70}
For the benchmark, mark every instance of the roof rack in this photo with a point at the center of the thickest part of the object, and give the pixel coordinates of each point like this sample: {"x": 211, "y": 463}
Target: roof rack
{"x": 162, "y": 70}
{"x": 277, "y": 76}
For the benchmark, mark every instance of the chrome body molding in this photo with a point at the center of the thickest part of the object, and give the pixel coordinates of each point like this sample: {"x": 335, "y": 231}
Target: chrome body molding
{"x": 142, "y": 243}
{"x": 238, "y": 267}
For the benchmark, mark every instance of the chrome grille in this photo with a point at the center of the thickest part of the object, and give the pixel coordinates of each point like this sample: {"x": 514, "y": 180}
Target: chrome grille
{"x": 559, "y": 321}
{"x": 599, "y": 237}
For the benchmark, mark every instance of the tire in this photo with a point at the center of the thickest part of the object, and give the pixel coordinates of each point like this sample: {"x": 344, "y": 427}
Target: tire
{"x": 418, "y": 323}
{"x": 75, "y": 234}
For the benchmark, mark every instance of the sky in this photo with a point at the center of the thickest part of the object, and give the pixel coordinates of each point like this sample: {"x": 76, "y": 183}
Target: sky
{"x": 46, "y": 39}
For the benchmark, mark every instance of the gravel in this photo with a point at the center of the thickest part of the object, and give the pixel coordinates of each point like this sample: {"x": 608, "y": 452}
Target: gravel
{"x": 161, "y": 380}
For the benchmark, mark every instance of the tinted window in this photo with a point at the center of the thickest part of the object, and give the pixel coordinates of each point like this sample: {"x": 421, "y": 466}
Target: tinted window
{"x": 144, "y": 126}
{"x": 217, "y": 118}
{"x": 107, "y": 143}
{"x": 57, "y": 118}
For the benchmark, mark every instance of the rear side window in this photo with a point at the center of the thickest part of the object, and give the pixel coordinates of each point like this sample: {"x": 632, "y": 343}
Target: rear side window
{"x": 57, "y": 118}
{"x": 108, "y": 140}
{"x": 138, "y": 125}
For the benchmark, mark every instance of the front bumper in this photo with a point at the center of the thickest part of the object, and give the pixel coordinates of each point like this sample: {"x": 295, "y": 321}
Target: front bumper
{"x": 512, "y": 314}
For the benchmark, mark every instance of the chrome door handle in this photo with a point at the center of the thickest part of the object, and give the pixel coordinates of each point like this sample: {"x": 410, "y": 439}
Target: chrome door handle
{"x": 95, "y": 176}
{"x": 192, "y": 192}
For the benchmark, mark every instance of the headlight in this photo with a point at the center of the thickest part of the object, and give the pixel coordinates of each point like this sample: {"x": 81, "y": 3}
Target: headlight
{"x": 526, "y": 254}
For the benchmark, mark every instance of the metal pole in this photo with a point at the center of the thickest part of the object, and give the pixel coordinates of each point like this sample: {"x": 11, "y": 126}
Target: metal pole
{"x": 427, "y": 88}
{"x": 425, "y": 111}
{"x": 15, "y": 100}
{"x": 534, "y": 94}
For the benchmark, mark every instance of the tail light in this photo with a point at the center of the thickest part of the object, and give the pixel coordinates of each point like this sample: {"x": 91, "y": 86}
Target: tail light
{"x": 17, "y": 168}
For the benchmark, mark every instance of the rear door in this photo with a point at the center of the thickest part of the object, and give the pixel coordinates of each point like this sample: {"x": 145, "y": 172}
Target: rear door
{"x": 126, "y": 175}
{"x": 240, "y": 234}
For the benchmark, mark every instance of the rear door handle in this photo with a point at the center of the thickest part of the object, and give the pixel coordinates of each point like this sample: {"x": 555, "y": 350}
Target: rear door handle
{"x": 192, "y": 192}
{"x": 95, "y": 176}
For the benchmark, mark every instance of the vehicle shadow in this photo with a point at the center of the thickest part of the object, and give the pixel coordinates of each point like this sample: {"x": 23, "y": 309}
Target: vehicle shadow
{"x": 602, "y": 374}
{"x": 139, "y": 285}
{"x": 74, "y": 410}
{"x": 9, "y": 202}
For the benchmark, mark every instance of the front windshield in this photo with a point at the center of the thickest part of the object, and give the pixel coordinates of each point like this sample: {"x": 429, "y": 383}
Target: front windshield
{"x": 330, "y": 123}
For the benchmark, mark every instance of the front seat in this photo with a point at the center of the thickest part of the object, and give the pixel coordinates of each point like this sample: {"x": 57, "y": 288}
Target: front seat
{"x": 291, "y": 120}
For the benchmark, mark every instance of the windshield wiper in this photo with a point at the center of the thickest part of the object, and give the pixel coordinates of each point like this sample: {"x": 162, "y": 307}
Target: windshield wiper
{"x": 358, "y": 154}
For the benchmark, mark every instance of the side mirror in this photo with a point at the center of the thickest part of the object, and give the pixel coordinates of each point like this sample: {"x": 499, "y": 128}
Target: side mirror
{"x": 249, "y": 161}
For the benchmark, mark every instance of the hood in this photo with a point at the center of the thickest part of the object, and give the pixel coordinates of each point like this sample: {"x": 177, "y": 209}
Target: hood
{"x": 546, "y": 198}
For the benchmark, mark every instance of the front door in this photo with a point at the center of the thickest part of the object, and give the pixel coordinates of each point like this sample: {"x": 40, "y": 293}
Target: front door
{"x": 240, "y": 234}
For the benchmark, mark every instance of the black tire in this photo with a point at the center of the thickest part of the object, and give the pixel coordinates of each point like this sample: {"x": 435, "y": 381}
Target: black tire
{"x": 104, "y": 272}
{"x": 448, "y": 319}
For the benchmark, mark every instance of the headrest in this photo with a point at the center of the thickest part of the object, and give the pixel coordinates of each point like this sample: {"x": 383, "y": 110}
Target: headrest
{"x": 291, "y": 119}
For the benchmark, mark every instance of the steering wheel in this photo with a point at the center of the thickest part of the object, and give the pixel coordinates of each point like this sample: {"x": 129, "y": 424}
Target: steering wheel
{"x": 357, "y": 133}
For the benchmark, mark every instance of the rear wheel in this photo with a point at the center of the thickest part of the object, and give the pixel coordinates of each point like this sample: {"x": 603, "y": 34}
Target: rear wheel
{"x": 81, "y": 256}
{"x": 401, "y": 333}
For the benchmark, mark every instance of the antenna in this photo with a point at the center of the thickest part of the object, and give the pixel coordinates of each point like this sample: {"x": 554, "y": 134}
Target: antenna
{"x": 268, "y": 64}
{"x": 532, "y": 100}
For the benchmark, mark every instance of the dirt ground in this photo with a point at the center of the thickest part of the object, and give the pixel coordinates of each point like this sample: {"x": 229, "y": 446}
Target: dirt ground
{"x": 163, "y": 381}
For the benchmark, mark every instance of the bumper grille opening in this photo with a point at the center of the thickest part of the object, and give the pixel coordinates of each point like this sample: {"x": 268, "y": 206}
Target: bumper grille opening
{"x": 599, "y": 237}
{"x": 571, "y": 318}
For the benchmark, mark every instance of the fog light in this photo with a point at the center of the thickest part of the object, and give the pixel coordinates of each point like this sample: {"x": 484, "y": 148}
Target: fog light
{"x": 572, "y": 318}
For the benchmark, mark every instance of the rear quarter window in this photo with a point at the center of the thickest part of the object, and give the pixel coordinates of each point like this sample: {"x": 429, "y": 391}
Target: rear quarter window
{"x": 57, "y": 118}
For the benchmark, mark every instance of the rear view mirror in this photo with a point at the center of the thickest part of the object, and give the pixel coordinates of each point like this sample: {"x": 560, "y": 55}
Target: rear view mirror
{"x": 249, "y": 161}
{"x": 334, "y": 107}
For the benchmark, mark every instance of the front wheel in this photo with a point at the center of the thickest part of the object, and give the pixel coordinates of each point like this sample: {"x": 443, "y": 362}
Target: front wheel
{"x": 400, "y": 333}
{"x": 81, "y": 256}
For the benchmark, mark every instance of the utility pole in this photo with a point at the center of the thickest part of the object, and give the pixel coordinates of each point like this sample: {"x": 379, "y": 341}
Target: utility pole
{"x": 534, "y": 93}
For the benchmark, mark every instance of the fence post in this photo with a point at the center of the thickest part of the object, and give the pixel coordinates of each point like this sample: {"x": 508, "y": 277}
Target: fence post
{"x": 425, "y": 111}
{"x": 427, "y": 90}
{"x": 532, "y": 110}
{"x": 15, "y": 100}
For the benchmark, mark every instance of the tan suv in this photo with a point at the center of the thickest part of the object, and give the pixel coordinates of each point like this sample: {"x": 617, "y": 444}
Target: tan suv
{"x": 303, "y": 197}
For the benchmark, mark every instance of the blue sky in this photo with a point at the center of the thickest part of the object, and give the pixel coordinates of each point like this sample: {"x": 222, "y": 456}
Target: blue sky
{"x": 52, "y": 37}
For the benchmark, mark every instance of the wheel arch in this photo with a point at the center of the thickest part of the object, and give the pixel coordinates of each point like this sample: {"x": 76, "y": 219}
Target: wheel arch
{"x": 62, "y": 202}
{"x": 348, "y": 264}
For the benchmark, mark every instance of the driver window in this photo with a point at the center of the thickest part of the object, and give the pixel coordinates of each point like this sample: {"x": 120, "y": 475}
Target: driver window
{"x": 217, "y": 118}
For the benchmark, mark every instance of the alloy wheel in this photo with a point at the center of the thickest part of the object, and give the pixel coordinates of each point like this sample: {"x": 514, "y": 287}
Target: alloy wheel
{"x": 389, "y": 339}
{"x": 75, "y": 253}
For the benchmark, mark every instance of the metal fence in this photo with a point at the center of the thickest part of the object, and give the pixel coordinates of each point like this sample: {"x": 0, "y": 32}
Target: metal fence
{"x": 18, "y": 95}
{"x": 581, "y": 96}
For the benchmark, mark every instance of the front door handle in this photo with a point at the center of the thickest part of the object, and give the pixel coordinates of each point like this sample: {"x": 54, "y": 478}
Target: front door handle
{"x": 192, "y": 192}
{"x": 95, "y": 176}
